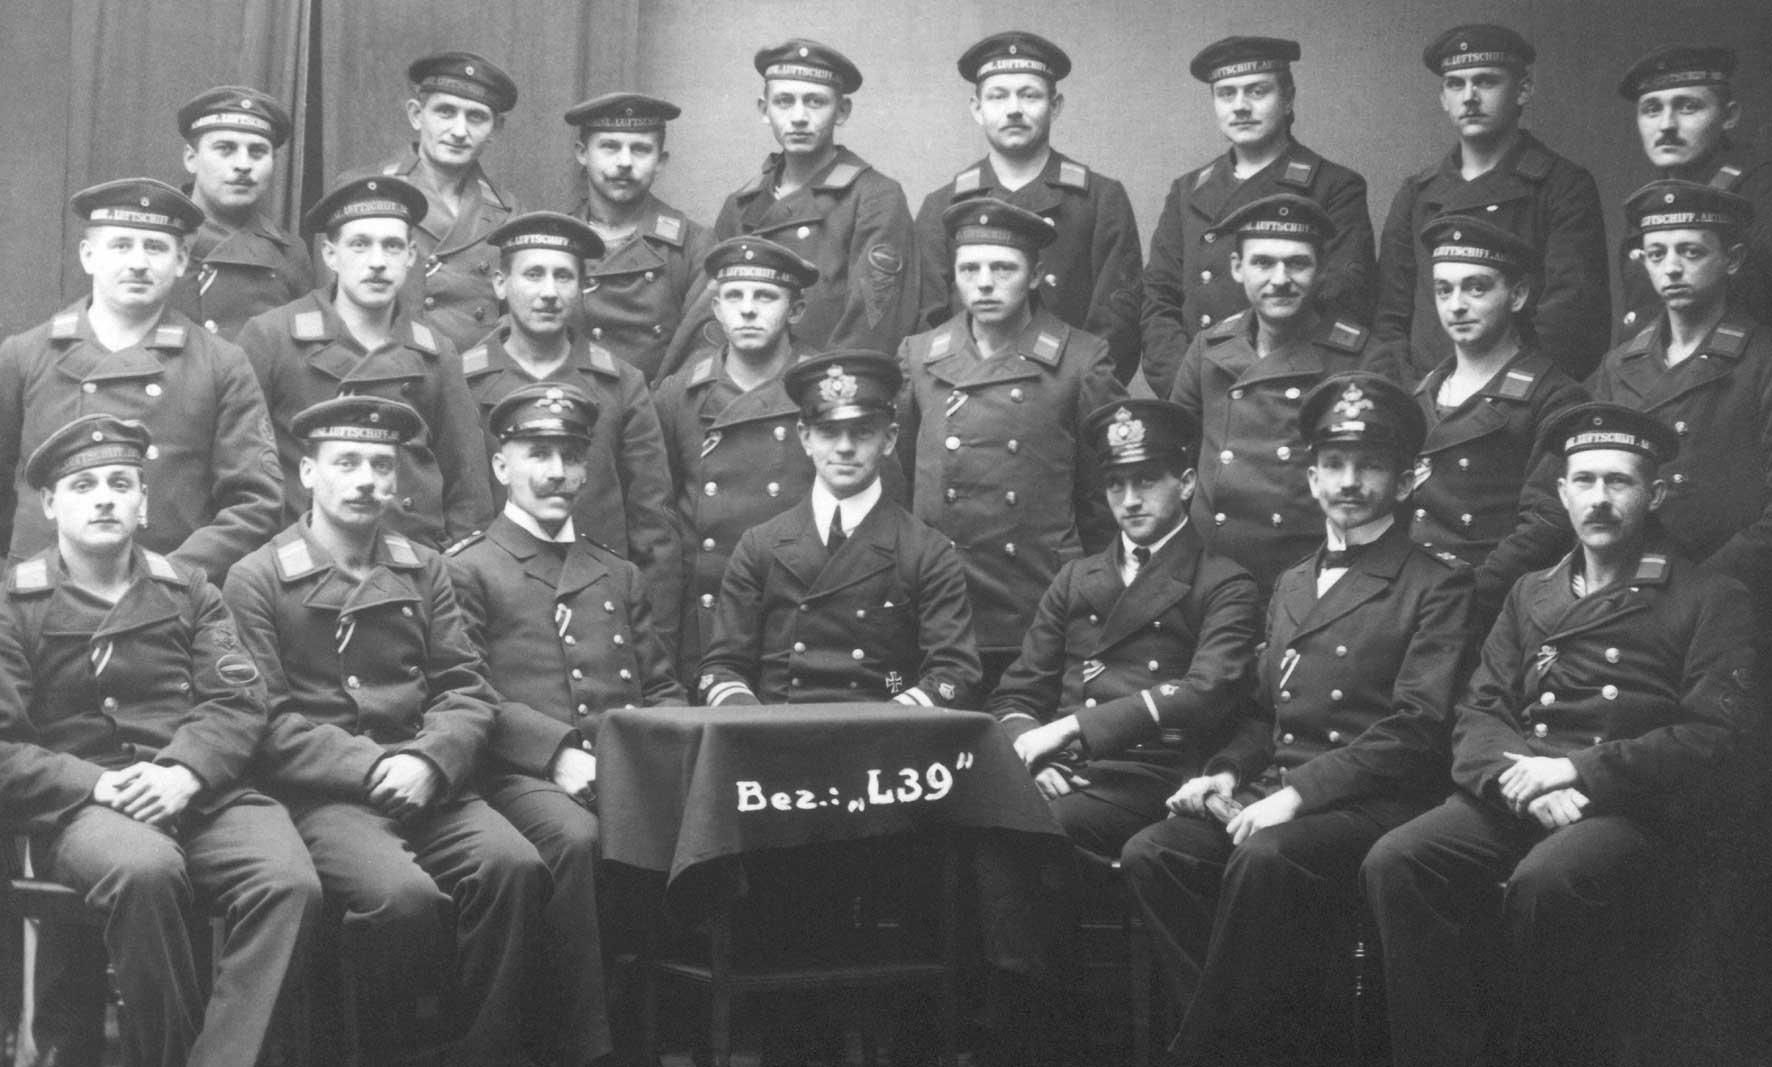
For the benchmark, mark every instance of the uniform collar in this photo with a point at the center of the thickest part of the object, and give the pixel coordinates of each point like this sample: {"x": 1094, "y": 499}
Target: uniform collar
{"x": 527, "y": 522}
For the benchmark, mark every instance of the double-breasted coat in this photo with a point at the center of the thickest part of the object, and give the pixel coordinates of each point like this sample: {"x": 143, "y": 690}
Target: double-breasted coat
{"x": 567, "y": 637}
{"x": 450, "y": 282}
{"x": 1187, "y": 283}
{"x": 1357, "y": 685}
{"x": 236, "y": 274}
{"x": 626, "y": 502}
{"x": 1090, "y": 273}
{"x": 1253, "y": 502}
{"x": 1539, "y": 196}
{"x": 1154, "y": 671}
{"x": 884, "y": 617}
{"x": 635, "y": 294}
{"x": 212, "y": 468}
{"x": 736, "y": 460}
{"x": 995, "y": 452}
{"x": 359, "y": 670}
{"x": 1718, "y": 400}
{"x": 1485, "y": 483}
{"x": 304, "y": 353}
{"x": 851, "y": 222}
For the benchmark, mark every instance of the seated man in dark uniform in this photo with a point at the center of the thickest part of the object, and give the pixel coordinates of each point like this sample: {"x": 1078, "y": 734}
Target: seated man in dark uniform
{"x": 128, "y": 713}
{"x": 1138, "y": 658}
{"x": 846, "y": 596}
{"x": 380, "y": 711}
{"x": 1366, "y": 644}
{"x": 565, "y": 626}
{"x": 1610, "y": 691}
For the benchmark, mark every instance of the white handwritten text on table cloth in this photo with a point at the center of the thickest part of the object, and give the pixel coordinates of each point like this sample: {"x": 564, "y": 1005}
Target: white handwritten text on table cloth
{"x": 906, "y": 785}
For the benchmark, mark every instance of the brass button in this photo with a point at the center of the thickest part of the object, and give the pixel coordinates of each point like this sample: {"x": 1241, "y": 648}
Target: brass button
{"x": 1016, "y": 394}
{"x": 1009, "y": 549}
{"x": 1153, "y": 665}
{"x": 1090, "y": 703}
{"x": 952, "y": 443}
{"x": 1226, "y": 456}
{"x": 1547, "y": 699}
{"x": 951, "y": 495}
{"x": 1293, "y": 393}
{"x": 707, "y": 600}
{"x": 707, "y": 544}
{"x": 1236, "y": 394}
{"x": 1335, "y": 694}
{"x": 1218, "y": 519}
{"x": 609, "y": 606}
{"x": 1341, "y": 651}
{"x": 578, "y": 674}
{"x": 710, "y": 489}
{"x": 1287, "y": 738}
{"x": 773, "y": 488}
{"x": 1611, "y": 655}
{"x": 799, "y": 646}
{"x": 1278, "y": 519}
{"x": 1205, "y": 275}
{"x": 619, "y": 640}
{"x": 1205, "y": 320}
{"x": 1610, "y": 692}
{"x": 1284, "y": 452}
{"x": 781, "y": 433}
{"x": 584, "y": 709}
{"x": 569, "y": 640}
{"x": 625, "y": 674}
{"x": 1540, "y": 729}
{"x": 1335, "y": 737}
{"x": 109, "y": 703}
{"x": 353, "y": 682}
{"x": 1009, "y": 498}
{"x": 1014, "y": 446}
{"x": 857, "y": 655}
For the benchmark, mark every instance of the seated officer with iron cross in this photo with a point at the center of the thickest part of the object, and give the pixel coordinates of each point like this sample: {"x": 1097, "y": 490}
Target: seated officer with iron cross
{"x": 1485, "y": 483}
{"x": 994, "y": 418}
{"x": 358, "y": 335}
{"x": 634, "y": 291}
{"x": 242, "y": 262}
{"x": 729, "y": 424}
{"x": 1243, "y": 381}
{"x": 1586, "y": 753}
{"x": 1703, "y": 368}
{"x": 626, "y": 500}
{"x": 380, "y": 714}
{"x": 566, "y": 627}
{"x": 845, "y": 597}
{"x": 1254, "y": 908}
{"x": 128, "y": 715}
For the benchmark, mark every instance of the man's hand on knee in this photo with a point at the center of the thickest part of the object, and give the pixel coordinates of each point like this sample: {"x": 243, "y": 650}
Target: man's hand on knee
{"x": 154, "y": 793}
{"x": 403, "y": 785}
{"x": 1559, "y": 808}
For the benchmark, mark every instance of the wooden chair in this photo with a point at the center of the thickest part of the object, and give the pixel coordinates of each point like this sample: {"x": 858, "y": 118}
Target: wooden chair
{"x": 727, "y": 977}
{"x": 1111, "y": 907}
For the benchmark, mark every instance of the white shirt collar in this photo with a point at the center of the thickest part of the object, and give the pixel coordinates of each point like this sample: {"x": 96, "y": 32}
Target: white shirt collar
{"x": 522, "y": 518}
{"x": 1127, "y": 544}
{"x": 854, "y": 508}
{"x": 1359, "y": 535}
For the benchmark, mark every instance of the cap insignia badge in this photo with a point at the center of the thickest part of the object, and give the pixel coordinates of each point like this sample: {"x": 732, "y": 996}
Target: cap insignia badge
{"x": 1353, "y": 402}
{"x": 836, "y": 386}
{"x": 1125, "y": 430}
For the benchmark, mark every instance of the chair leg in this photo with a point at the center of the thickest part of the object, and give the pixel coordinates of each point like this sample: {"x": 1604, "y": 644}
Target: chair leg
{"x": 720, "y": 989}
{"x": 1141, "y": 963}
{"x": 950, "y": 951}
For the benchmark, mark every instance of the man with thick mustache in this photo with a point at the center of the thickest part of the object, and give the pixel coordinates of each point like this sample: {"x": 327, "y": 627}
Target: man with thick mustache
{"x": 1686, "y": 114}
{"x": 458, "y": 106}
{"x": 1254, "y": 904}
{"x": 242, "y": 262}
{"x": 566, "y": 627}
{"x": 625, "y": 505}
{"x": 357, "y": 334}
{"x": 379, "y": 717}
{"x": 1585, "y": 750}
{"x": 1502, "y": 173}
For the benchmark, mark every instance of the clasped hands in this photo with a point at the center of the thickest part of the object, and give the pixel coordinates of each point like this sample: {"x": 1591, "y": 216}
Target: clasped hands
{"x": 153, "y": 793}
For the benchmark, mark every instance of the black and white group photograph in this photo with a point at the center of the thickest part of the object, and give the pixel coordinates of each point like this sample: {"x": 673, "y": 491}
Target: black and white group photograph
{"x": 762, "y": 533}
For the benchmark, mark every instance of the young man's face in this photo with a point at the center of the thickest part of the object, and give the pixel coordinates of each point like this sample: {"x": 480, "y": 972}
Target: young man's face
{"x": 621, "y": 166}
{"x": 1690, "y": 269}
{"x": 370, "y": 258}
{"x": 1279, "y": 276}
{"x": 1357, "y": 484}
{"x": 1477, "y": 304}
{"x": 1484, "y": 103}
{"x": 97, "y": 509}
{"x": 803, "y": 115}
{"x": 132, "y": 270}
{"x": 1016, "y": 112}
{"x": 544, "y": 476}
{"x": 1148, "y": 499}
{"x": 993, "y": 281}
{"x": 1609, "y": 494}
{"x": 1684, "y": 126}
{"x": 540, "y": 286}
{"x": 230, "y": 170}
{"x": 452, "y": 130}
{"x": 756, "y": 315}
{"x": 351, "y": 482}
{"x": 1251, "y": 110}
{"x": 846, "y": 454}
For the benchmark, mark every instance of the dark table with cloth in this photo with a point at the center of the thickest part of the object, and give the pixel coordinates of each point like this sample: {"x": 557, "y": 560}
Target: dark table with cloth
{"x": 678, "y": 787}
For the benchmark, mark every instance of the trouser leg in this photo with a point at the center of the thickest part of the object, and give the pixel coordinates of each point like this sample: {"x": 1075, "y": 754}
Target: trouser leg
{"x": 136, "y": 875}
{"x": 569, "y": 1012}
{"x": 248, "y": 859}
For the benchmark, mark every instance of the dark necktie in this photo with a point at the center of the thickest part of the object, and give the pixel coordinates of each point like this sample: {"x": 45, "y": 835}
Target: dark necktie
{"x": 1140, "y": 556}
{"x": 837, "y": 537}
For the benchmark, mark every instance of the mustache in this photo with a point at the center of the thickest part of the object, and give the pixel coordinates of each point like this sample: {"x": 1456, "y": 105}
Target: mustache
{"x": 1671, "y": 140}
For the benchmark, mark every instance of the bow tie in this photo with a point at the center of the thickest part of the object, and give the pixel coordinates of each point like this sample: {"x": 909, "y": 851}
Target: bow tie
{"x": 1333, "y": 558}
